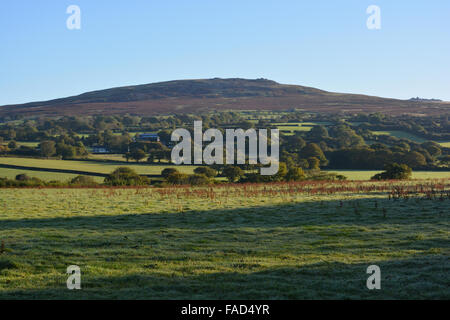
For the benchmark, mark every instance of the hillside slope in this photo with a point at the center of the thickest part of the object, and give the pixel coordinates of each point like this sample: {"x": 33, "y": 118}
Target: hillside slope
{"x": 218, "y": 94}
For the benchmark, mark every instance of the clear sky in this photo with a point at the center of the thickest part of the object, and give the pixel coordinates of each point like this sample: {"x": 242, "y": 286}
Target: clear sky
{"x": 318, "y": 43}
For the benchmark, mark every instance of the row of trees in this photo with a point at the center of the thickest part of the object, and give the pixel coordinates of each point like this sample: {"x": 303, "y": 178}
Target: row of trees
{"x": 339, "y": 145}
{"x": 125, "y": 176}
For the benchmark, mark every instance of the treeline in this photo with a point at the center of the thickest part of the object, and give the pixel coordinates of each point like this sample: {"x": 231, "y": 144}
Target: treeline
{"x": 435, "y": 128}
{"x": 45, "y": 128}
{"x": 125, "y": 176}
{"x": 64, "y": 147}
{"x": 347, "y": 142}
{"x": 341, "y": 147}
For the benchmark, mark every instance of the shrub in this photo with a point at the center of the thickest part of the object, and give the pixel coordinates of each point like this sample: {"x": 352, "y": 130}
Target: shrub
{"x": 124, "y": 176}
{"x": 209, "y": 172}
{"x": 198, "y": 180}
{"x": 28, "y": 182}
{"x": 7, "y": 264}
{"x": 177, "y": 178}
{"x": 394, "y": 171}
{"x": 83, "y": 181}
{"x": 255, "y": 178}
{"x": 167, "y": 171}
{"x": 22, "y": 177}
{"x": 295, "y": 174}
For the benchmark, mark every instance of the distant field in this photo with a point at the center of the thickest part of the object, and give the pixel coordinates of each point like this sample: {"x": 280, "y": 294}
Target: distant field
{"x": 445, "y": 144}
{"x": 25, "y": 143}
{"x": 234, "y": 242}
{"x": 89, "y": 166}
{"x": 96, "y": 167}
{"x": 298, "y": 126}
{"x": 45, "y": 176}
{"x": 132, "y": 134}
{"x": 400, "y": 135}
{"x": 113, "y": 157}
{"x": 293, "y": 129}
{"x": 367, "y": 174}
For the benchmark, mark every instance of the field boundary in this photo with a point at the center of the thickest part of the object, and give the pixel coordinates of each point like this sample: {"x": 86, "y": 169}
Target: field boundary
{"x": 84, "y": 173}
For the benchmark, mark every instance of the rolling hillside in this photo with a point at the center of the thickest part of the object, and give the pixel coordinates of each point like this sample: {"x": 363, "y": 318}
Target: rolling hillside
{"x": 219, "y": 94}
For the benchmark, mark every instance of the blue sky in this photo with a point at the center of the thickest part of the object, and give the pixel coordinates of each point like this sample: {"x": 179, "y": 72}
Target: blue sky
{"x": 323, "y": 44}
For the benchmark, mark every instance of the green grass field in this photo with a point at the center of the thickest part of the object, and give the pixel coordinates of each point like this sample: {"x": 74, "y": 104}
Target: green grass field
{"x": 367, "y": 174}
{"x": 132, "y": 134}
{"x": 45, "y": 176}
{"x": 92, "y": 166}
{"x": 88, "y": 166}
{"x": 267, "y": 242}
{"x": 298, "y": 126}
{"x": 400, "y": 135}
{"x": 112, "y": 157}
{"x": 294, "y": 129}
{"x": 445, "y": 144}
{"x": 25, "y": 143}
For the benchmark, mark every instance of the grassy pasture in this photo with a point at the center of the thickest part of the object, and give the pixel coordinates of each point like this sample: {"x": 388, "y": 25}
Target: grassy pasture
{"x": 400, "y": 135}
{"x": 291, "y": 127}
{"x": 107, "y": 156}
{"x": 25, "y": 143}
{"x": 92, "y": 166}
{"x": 132, "y": 134}
{"x": 89, "y": 166}
{"x": 45, "y": 176}
{"x": 445, "y": 144}
{"x": 367, "y": 174}
{"x": 236, "y": 242}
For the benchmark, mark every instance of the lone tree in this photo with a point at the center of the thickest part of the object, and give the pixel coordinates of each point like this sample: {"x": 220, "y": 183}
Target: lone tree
{"x": 138, "y": 154}
{"x": 394, "y": 171}
{"x": 12, "y": 145}
{"x": 47, "y": 148}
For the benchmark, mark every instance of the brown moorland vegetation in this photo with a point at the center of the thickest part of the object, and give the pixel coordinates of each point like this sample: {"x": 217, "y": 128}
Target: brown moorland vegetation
{"x": 191, "y": 96}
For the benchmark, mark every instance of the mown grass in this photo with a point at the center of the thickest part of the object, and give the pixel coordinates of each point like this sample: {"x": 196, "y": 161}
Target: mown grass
{"x": 227, "y": 242}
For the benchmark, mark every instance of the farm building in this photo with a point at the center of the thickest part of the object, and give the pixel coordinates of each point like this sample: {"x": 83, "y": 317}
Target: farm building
{"x": 100, "y": 149}
{"x": 149, "y": 137}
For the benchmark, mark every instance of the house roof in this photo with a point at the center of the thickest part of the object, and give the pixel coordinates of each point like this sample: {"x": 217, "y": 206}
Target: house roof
{"x": 148, "y": 135}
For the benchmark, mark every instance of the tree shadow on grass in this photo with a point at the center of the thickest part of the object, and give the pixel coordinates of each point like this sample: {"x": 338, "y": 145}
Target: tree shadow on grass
{"x": 360, "y": 212}
{"x": 418, "y": 277}
{"x": 297, "y": 229}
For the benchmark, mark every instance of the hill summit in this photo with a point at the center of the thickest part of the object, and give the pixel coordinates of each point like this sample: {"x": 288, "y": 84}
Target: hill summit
{"x": 217, "y": 94}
